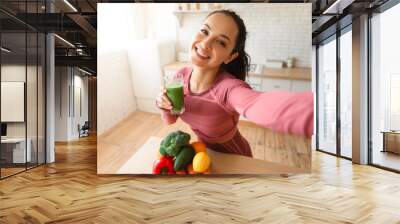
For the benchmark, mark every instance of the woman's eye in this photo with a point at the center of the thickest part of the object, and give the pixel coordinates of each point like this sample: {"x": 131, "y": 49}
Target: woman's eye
{"x": 221, "y": 43}
{"x": 204, "y": 31}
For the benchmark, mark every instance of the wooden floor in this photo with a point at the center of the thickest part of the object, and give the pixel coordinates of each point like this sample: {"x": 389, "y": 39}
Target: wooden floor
{"x": 387, "y": 159}
{"x": 116, "y": 146}
{"x": 10, "y": 171}
{"x": 7, "y": 171}
{"x": 70, "y": 191}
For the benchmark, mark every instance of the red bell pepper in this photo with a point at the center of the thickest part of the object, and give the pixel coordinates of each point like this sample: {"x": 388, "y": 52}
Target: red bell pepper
{"x": 164, "y": 165}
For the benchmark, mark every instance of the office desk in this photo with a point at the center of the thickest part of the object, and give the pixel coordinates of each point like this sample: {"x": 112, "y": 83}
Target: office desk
{"x": 391, "y": 141}
{"x": 15, "y": 148}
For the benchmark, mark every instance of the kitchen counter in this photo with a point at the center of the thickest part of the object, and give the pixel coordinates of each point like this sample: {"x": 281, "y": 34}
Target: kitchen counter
{"x": 296, "y": 73}
{"x": 286, "y": 73}
{"x": 176, "y": 65}
{"x": 221, "y": 163}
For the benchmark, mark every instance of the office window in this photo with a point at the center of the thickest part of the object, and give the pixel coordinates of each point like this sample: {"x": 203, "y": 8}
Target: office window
{"x": 327, "y": 96}
{"x": 385, "y": 89}
{"x": 346, "y": 94}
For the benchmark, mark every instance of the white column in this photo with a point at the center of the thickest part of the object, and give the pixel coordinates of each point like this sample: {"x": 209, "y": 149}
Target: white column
{"x": 314, "y": 90}
{"x": 360, "y": 90}
{"x": 50, "y": 99}
{"x": 50, "y": 92}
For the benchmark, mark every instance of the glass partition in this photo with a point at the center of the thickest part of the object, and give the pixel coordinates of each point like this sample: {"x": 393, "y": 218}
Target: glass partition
{"x": 31, "y": 100}
{"x": 22, "y": 88}
{"x": 14, "y": 153}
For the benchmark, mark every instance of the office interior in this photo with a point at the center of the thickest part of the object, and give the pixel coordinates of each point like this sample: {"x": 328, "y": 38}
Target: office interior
{"x": 356, "y": 142}
{"x": 64, "y": 53}
{"x": 48, "y": 84}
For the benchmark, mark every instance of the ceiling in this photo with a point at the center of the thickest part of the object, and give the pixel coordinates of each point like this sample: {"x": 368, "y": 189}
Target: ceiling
{"x": 331, "y": 15}
{"x": 77, "y": 25}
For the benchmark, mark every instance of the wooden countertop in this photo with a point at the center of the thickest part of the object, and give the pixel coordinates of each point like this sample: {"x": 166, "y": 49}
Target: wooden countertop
{"x": 296, "y": 73}
{"x": 176, "y": 65}
{"x": 287, "y": 73}
{"x": 221, "y": 163}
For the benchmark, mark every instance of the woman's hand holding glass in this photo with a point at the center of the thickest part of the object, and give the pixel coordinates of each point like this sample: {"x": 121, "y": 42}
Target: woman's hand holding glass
{"x": 162, "y": 100}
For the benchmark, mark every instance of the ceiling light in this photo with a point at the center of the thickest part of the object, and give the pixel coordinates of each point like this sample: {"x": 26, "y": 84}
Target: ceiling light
{"x": 70, "y": 5}
{"x": 5, "y": 50}
{"x": 86, "y": 72}
{"x": 64, "y": 40}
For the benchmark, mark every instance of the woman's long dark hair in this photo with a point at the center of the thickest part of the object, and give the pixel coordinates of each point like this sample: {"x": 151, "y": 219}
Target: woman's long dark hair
{"x": 238, "y": 67}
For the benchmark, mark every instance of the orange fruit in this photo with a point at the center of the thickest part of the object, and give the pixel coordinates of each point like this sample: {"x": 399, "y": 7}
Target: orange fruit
{"x": 199, "y": 147}
{"x": 190, "y": 169}
{"x": 201, "y": 162}
{"x": 180, "y": 172}
{"x": 207, "y": 171}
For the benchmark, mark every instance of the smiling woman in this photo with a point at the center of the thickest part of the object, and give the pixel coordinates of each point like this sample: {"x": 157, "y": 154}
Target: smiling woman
{"x": 216, "y": 94}
{"x": 228, "y": 43}
{"x": 214, "y": 48}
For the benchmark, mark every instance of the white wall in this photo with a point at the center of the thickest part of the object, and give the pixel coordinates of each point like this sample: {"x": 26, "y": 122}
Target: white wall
{"x": 17, "y": 73}
{"x": 83, "y": 83}
{"x": 118, "y": 25}
{"x": 66, "y": 121}
{"x": 147, "y": 71}
{"x": 115, "y": 93}
{"x": 131, "y": 57}
{"x": 62, "y": 81}
{"x": 33, "y": 127}
{"x": 161, "y": 23}
{"x": 275, "y": 31}
{"x": 81, "y": 104}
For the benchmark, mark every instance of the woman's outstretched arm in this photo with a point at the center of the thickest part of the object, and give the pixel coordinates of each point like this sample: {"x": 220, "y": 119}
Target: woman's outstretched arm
{"x": 288, "y": 112}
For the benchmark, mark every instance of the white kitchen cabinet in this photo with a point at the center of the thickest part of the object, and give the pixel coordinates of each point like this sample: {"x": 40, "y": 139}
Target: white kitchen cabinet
{"x": 269, "y": 84}
{"x": 147, "y": 72}
{"x": 254, "y": 80}
{"x": 301, "y": 86}
{"x": 266, "y": 84}
{"x": 256, "y": 87}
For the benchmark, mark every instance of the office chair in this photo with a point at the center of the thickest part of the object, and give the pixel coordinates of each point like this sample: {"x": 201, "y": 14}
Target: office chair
{"x": 84, "y": 130}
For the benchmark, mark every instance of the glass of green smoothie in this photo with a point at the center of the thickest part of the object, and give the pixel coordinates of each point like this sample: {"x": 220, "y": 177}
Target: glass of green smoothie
{"x": 174, "y": 86}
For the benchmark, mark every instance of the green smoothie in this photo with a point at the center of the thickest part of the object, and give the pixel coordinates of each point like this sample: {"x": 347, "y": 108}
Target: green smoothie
{"x": 175, "y": 94}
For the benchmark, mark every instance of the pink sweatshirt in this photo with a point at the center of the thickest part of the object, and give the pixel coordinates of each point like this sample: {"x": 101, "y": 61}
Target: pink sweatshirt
{"x": 213, "y": 114}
